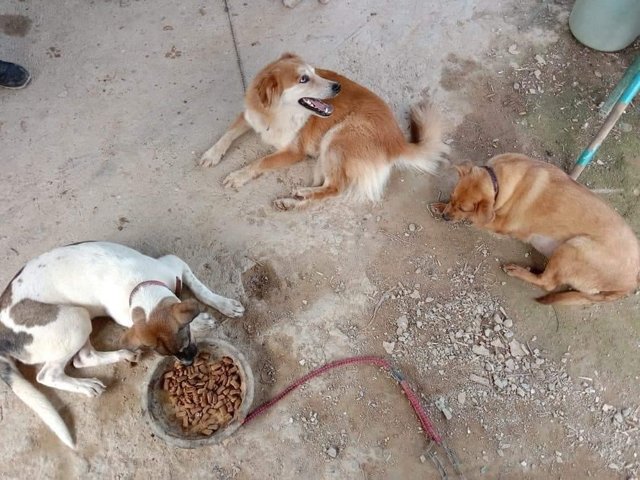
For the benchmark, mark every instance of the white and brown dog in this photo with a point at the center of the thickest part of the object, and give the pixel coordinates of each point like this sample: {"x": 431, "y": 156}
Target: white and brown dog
{"x": 46, "y": 312}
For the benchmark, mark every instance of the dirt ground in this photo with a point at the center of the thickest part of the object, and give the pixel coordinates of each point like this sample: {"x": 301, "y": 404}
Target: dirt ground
{"x": 127, "y": 94}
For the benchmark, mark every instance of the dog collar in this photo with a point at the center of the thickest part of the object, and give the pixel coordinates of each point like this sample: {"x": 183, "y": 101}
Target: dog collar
{"x": 156, "y": 282}
{"x": 494, "y": 180}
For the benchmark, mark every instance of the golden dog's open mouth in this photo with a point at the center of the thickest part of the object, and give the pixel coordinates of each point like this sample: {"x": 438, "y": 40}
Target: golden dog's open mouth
{"x": 316, "y": 106}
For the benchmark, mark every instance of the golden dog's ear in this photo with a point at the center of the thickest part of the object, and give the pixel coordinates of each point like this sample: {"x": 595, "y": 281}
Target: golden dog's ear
{"x": 268, "y": 88}
{"x": 288, "y": 56}
{"x": 464, "y": 168}
{"x": 484, "y": 212}
{"x": 185, "y": 311}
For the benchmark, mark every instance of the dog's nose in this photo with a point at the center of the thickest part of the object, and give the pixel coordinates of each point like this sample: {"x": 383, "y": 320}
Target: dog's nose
{"x": 446, "y": 217}
{"x": 188, "y": 355}
{"x": 335, "y": 88}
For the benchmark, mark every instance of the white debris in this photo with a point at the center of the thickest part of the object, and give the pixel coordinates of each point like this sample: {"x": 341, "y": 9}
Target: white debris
{"x": 388, "y": 347}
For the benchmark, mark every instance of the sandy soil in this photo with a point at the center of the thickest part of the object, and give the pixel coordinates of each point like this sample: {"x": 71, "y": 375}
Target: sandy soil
{"x": 127, "y": 94}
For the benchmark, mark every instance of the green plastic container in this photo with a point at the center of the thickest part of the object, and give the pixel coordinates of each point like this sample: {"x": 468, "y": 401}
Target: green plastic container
{"x": 605, "y": 25}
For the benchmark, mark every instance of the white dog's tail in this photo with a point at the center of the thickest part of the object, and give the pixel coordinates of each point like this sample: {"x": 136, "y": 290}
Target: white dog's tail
{"x": 426, "y": 150}
{"x": 35, "y": 400}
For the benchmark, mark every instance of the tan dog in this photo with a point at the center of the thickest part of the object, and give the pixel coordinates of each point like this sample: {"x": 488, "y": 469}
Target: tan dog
{"x": 590, "y": 247}
{"x": 354, "y": 136}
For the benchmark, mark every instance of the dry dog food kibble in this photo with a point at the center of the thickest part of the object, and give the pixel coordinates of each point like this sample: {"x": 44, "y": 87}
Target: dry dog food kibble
{"x": 206, "y": 395}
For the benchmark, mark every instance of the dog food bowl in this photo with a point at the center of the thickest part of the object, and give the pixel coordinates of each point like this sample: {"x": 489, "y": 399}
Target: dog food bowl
{"x": 156, "y": 406}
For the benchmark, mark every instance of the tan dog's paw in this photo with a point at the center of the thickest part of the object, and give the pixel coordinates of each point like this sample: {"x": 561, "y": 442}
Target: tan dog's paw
{"x": 437, "y": 209}
{"x": 286, "y": 203}
{"x": 238, "y": 178}
{"x": 514, "y": 270}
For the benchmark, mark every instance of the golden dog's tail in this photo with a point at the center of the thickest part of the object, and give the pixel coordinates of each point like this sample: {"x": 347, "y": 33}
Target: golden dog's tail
{"x": 573, "y": 297}
{"x": 34, "y": 399}
{"x": 426, "y": 150}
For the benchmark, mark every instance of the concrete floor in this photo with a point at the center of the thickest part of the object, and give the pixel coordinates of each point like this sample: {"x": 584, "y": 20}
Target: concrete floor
{"x": 127, "y": 94}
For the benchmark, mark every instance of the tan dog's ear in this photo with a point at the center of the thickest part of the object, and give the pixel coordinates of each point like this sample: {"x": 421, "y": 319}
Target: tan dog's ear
{"x": 288, "y": 55}
{"x": 485, "y": 212}
{"x": 185, "y": 311}
{"x": 268, "y": 88}
{"x": 464, "y": 168}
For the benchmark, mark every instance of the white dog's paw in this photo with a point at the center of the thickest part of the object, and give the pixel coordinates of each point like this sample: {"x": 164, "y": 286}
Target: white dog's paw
{"x": 238, "y": 178}
{"x": 211, "y": 157}
{"x": 231, "y": 308}
{"x": 129, "y": 356}
{"x": 291, "y": 3}
{"x": 205, "y": 318}
{"x": 91, "y": 387}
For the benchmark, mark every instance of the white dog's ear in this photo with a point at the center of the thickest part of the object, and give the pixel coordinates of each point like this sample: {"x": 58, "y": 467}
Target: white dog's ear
{"x": 268, "y": 89}
{"x": 185, "y": 311}
{"x": 132, "y": 339}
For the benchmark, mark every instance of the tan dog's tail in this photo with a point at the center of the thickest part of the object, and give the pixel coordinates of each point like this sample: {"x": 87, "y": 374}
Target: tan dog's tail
{"x": 35, "y": 400}
{"x": 573, "y": 297}
{"x": 426, "y": 150}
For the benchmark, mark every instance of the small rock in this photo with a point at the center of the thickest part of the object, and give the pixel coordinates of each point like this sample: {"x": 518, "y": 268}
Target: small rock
{"x": 480, "y": 350}
{"x": 462, "y": 397}
{"x": 508, "y": 323}
{"x": 626, "y": 412}
{"x": 388, "y": 347}
{"x": 402, "y": 323}
{"x": 513, "y": 49}
{"x": 412, "y": 227}
{"x": 540, "y": 59}
{"x": 625, "y": 127}
{"x": 441, "y": 405}
{"x": 415, "y": 295}
{"x": 618, "y": 418}
{"x": 517, "y": 349}
{"x": 423, "y": 459}
{"x": 332, "y": 452}
{"x": 481, "y": 380}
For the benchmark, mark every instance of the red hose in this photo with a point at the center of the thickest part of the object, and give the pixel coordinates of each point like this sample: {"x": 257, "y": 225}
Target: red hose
{"x": 427, "y": 427}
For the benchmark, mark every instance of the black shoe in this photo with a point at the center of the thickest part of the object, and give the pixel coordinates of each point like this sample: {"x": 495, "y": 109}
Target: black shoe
{"x": 13, "y": 76}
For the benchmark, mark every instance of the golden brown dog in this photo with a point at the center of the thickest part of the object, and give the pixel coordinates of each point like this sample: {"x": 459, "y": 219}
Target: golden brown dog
{"x": 590, "y": 247}
{"x": 354, "y": 136}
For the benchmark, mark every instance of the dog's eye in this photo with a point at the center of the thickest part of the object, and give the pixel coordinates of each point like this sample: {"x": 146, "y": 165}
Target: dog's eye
{"x": 304, "y": 79}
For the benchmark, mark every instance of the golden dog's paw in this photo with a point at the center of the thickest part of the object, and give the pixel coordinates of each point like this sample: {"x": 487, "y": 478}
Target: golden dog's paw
{"x": 211, "y": 157}
{"x": 238, "y": 178}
